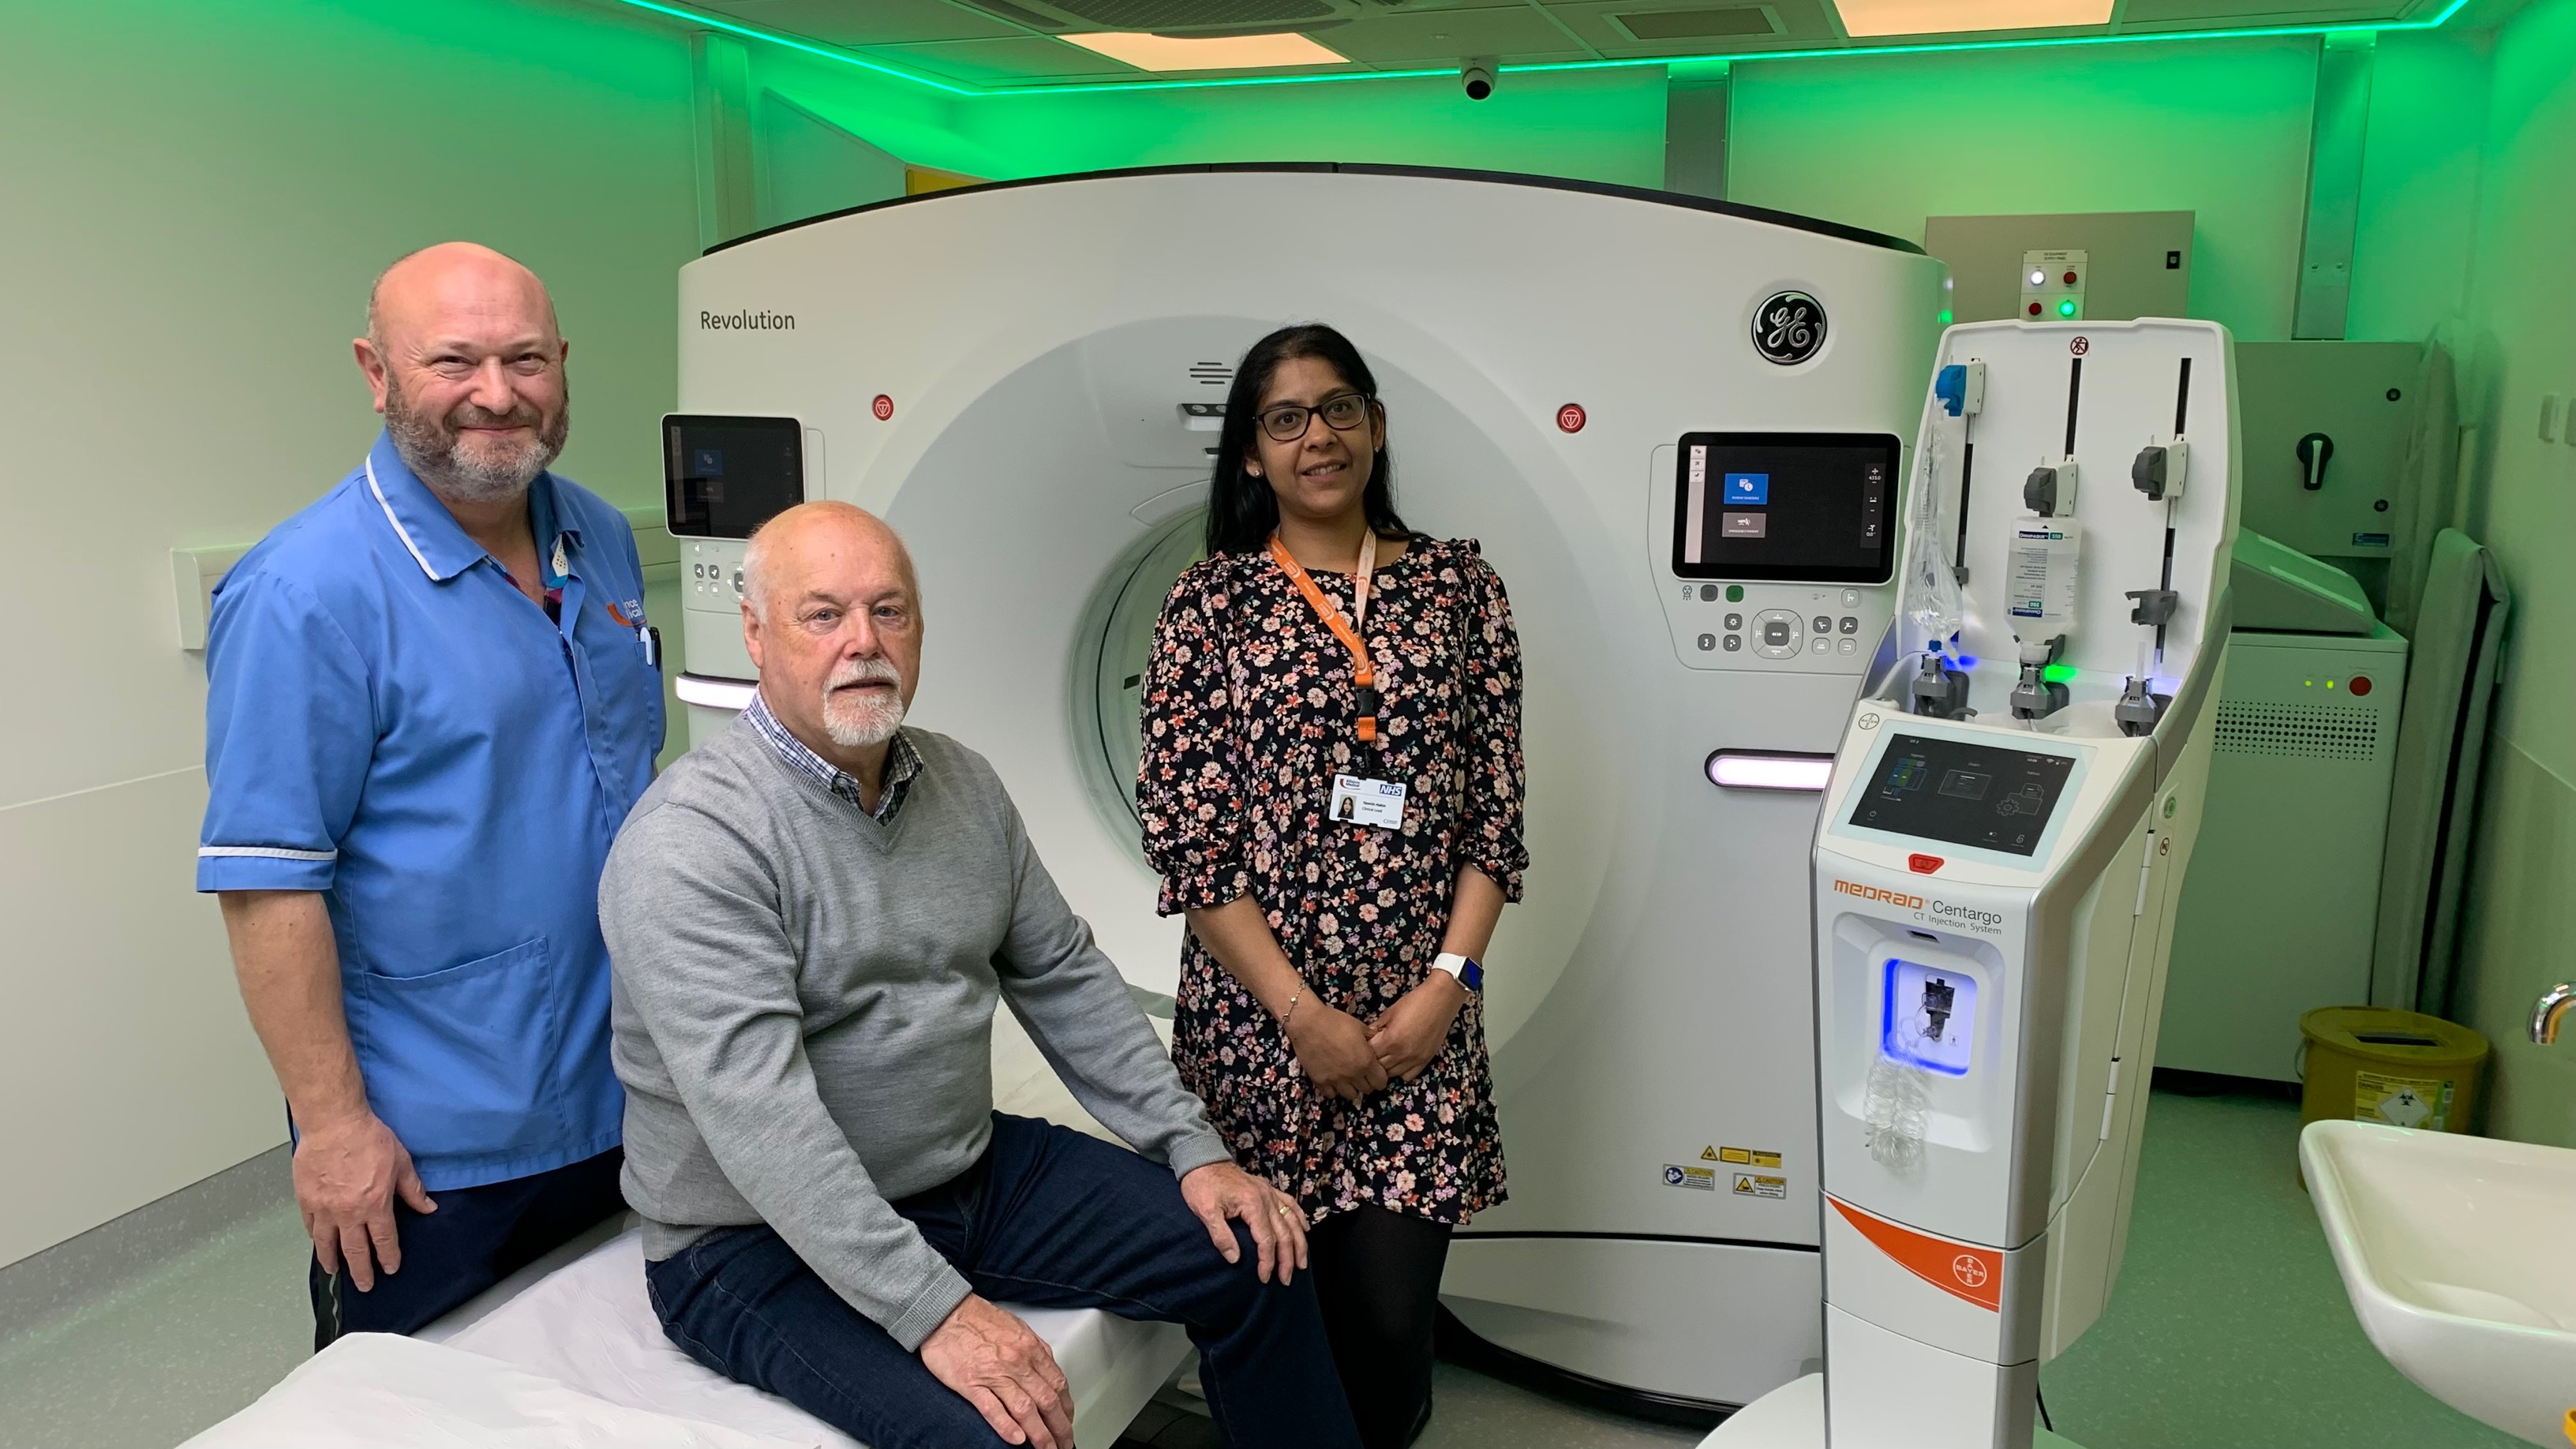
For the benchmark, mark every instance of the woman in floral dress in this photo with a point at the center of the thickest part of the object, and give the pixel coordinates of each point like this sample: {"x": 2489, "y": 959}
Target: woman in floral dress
{"x": 1342, "y": 833}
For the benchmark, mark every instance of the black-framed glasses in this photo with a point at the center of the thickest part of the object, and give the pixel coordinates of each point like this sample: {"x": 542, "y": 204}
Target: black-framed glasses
{"x": 1343, "y": 413}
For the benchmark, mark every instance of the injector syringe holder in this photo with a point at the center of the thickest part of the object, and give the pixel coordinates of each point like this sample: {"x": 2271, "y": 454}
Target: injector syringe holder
{"x": 2160, "y": 468}
{"x": 2049, "y": 491}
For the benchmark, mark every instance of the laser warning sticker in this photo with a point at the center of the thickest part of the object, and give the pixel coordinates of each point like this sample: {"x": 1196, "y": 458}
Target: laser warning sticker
{"x": 1751, "y": 1185}
{"x": 1698, "y": 1179}
{"x": 2421, "y": 1102}
{"x": 1748, "y": 1157}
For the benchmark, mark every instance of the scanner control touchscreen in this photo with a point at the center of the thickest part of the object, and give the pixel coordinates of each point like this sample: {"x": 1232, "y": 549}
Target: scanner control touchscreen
{"x": 722, "y": 477}
{"x": 1965, "y": 794}
{"x": 1813, "y": 507}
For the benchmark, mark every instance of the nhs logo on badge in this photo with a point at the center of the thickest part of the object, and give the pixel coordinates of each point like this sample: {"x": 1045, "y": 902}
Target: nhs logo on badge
{"x": 1748, "y": 489}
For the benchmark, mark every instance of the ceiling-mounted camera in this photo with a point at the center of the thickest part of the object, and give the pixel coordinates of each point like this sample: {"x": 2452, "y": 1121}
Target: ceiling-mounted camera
{"x": 1476, "y": 78}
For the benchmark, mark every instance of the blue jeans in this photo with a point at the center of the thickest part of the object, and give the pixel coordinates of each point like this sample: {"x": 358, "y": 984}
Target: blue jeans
{"x": 1049, "y": 1218}
{"x": 478, "y": 1236}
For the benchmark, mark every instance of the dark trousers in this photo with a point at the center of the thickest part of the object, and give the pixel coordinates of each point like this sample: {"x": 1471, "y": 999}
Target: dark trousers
{"x": 1377, "y": 1277}
{"x": 1049, "y": 1218}
{"x": 478, "y": 1236}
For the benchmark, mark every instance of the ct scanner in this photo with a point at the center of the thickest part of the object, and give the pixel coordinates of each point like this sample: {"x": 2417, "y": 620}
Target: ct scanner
{"x": 1025, "y": 380}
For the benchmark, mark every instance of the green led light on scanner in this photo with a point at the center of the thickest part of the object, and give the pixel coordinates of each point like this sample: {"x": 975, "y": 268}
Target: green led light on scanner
{"x": 1945, "y": 317}
{"x": 2058, "y": 673}
{"x": 2066, "y": 308}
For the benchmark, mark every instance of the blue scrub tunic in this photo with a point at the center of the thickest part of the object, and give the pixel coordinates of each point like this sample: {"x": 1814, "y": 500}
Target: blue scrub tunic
{"x": 390, "y": 722}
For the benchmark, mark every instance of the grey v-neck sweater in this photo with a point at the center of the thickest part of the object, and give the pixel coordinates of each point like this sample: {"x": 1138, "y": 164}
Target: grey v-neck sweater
{"x": 803, "y": 1007}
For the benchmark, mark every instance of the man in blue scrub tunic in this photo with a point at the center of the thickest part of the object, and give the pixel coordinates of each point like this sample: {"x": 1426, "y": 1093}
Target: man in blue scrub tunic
{"x": 432, "y": 699}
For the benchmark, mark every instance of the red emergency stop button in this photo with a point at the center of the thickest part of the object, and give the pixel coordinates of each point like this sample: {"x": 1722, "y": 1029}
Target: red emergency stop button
{"x": 1922, "y": 864}
{"x": 2360, "y": 684}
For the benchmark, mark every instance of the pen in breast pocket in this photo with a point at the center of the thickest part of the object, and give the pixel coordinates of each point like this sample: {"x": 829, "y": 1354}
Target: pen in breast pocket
{"x": 651, "y": 639}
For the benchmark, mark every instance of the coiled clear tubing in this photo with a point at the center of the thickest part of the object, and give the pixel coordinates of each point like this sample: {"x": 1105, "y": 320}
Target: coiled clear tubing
{"x": 1933, "y": 604}
{"x": 1896, "y": 1106}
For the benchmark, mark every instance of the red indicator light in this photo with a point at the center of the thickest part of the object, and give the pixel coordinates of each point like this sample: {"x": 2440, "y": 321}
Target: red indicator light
{"x": 1922, "y": 864}
{"x": 1571, "y": 418}
{"x": 2360, "y": 684}
{"x": 2034, "y": 309}
{"x": 2070, "y": 279}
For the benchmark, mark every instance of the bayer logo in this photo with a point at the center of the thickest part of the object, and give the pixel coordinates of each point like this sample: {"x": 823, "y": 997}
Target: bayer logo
{"x": 1789, "y": 328}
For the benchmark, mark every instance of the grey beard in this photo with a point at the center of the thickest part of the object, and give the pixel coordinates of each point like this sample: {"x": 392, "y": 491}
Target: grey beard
{"x": 431, "y": 449}
{"x": 856, "y": 726}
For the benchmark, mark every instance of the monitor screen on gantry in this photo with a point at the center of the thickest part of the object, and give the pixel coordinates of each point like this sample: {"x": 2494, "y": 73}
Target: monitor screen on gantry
{"x": 1813, "y": 507}
{"x": 722, "y": 477}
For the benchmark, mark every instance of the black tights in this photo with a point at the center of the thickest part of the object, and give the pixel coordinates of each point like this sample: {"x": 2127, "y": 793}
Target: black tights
{"x": 1377, "y": 1274}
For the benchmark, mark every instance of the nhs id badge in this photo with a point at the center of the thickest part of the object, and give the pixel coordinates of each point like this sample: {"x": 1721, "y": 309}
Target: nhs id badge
{"x": 1368, "y": 802}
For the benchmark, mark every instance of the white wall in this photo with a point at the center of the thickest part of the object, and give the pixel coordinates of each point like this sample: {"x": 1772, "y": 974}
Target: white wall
{"x": 197, "y": 196}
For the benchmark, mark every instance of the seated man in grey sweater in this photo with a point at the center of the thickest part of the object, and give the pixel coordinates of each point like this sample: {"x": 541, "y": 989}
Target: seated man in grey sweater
{"x": 810, "y": 920}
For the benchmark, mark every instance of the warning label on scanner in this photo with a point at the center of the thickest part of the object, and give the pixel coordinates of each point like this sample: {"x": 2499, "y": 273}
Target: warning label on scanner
{"x": 1699, "y": 1179}
{"x": 1752, "y": 1185}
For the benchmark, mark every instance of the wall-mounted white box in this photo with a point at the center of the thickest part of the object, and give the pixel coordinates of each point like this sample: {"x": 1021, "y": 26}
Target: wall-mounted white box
{"x": 194, "y": 572}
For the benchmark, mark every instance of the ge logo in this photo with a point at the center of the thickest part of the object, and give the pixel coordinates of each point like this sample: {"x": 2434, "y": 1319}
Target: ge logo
{"x": 1969, "y": 1269}
{"x": 2080, "y": 346}
{"x": 1672, "y": 1177}
{"x": 1789, "y": 328}
{"x": 883, "y": 407}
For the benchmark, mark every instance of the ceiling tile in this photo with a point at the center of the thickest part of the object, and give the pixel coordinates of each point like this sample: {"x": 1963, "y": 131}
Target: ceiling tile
{"x": 2149, "y": 14}
{"x": 866, "y": 22}
{"x": 1802, "y": 23}
{"x": 1517, "y": 34}
{"x": 1007, "y": 62}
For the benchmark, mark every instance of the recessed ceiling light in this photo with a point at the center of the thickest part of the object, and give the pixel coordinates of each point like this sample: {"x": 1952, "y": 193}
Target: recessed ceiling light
{"x": 1946, "y": 17}
{"x": 1207, "y": 52}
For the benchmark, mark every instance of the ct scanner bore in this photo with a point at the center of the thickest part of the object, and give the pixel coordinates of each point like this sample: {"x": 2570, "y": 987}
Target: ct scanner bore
{"x": 1018, "y": 377}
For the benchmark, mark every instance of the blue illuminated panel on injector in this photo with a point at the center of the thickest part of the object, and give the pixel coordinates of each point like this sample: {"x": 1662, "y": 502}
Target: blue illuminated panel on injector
{"x": 1928, "y": 1017}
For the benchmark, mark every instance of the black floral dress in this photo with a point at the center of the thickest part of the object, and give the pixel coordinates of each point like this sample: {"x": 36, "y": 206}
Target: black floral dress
{"x": 1248, "y": 715}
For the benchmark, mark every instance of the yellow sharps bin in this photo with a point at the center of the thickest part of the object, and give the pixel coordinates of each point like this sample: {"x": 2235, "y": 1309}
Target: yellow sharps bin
{"x": 2381, "y": 1064}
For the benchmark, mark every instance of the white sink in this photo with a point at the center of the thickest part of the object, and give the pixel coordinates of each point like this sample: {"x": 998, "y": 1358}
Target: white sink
{"x": 2460, "y": 1255}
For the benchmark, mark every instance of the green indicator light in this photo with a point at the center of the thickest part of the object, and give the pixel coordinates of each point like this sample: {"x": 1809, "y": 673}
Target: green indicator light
{"x": 2066, "y": 308}
{"x": 1945, "y": 316}
{"x": 2058, "y": 673}
{"x": 1735, "y": 593}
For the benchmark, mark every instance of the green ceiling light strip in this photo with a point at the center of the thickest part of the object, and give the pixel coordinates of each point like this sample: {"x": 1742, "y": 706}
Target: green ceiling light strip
{"x": 807, "y": 47}
{"x": 2047, "y": 42}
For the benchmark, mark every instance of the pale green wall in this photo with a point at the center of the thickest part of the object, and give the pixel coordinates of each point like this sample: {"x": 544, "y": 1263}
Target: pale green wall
{"x": 2218, "y": 128}
{"x": 2419, "y": 183}
{"x": 197, "y": 196}
{"x": 2521, "y": 342}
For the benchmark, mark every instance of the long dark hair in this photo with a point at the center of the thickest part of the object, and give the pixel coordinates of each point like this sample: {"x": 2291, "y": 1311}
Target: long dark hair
{"x": 1242, "y": 511}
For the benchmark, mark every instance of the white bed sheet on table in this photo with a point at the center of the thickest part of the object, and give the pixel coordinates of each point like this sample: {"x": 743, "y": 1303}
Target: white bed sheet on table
{"x": 384, "y": 1391}
{"x": 590, "y": 1325}
{"x": 579, "y": 1315}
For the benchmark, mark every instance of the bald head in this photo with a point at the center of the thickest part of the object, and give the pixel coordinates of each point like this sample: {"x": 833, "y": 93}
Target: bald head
{"x": 832, "y": 618}
{"x": 453, "y": 277}
{"x": 466, "y": 363}
{"x": 787, "y": 548}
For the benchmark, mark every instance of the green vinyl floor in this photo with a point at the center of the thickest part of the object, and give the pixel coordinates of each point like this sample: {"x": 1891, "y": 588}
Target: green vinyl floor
{"x": 2229, "y": 1328}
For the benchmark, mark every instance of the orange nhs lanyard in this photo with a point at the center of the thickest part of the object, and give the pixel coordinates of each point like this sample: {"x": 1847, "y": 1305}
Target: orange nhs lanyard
{"x": 1363, "y": 673}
